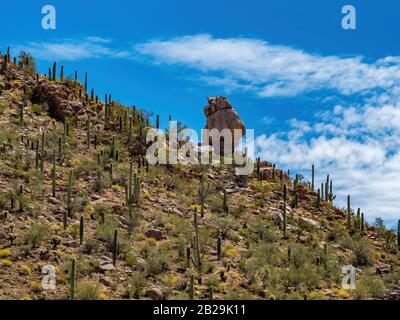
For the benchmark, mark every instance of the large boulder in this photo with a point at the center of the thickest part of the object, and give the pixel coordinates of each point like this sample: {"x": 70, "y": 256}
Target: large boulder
{"x": 220, "y": 115}
{"x": 58, "y": 99}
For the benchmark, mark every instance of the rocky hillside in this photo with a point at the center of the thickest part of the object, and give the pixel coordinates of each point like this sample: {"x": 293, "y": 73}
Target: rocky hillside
{"x": 77, "y": 194}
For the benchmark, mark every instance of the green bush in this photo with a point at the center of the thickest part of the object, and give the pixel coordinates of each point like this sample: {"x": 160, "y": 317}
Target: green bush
{"x": 37, "y": 233}
{"x": 37, "y": 108}
{"x": 88, "y": 290}
{"x": 362, "y": 252}
{"x": 136, "y": 285}
{"x": 369, "y": 287}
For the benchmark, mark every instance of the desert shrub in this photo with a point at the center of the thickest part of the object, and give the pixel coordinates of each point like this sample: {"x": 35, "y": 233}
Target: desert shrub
{"x": 29, "y": 63}
{"x": 37, "y": 233}
{"x": 261, "y": 254}
{"x": 259, "y": 229}
{"x": 369, "y": 287}
{"x": 3, "y": 107}
{"x": 130, "y": 259}
{"x": 179, "y": 226}
{"x": 106, "y": 231}
{"x": 305, "y": 275}
{"x": 136, "y": 285}
{"x": 37, "y": 108}
{"x": 213, "y": 282}
{"x": 88, "y": 290}
{"x": 236, "y": 294}
{"x": 299, "y": 255}
{"x": 362, "y": 252}
{"x": 158, "y": 259}
{"x": 100, "y": 211}
{"x": 83, "y": 165}
{"x": 3, "y": 200}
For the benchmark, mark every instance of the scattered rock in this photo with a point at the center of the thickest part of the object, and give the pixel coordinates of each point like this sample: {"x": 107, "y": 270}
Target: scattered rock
{"x": 154, "y": 233}
{"x": 54, "y": 201}
{"x": 154, "y": 293}
{"x": 106, "y": 281}
{"x": 107, "y": 267}
{"x": 277, "y": 217}
{"x": 140, "y": 264}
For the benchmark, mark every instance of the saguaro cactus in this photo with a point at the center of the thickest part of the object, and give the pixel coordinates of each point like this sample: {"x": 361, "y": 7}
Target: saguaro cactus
{"x": 312, "y": 178}
{"x": 86, "y": 81}
{"x": 115, "y": 247}
{"x": 319, "y": 199}
{"x": 88, "y": 137}
{"x": 398, "y": 234}
{"x": 219, "y": 247}
{"x": 191, "y": 287}
{"x": 62, "y": 74}
{"x": 81, "y": 228}
{"x": 53, "y": 175}
{"x": 54, "y": 71}
{"x": 225, "y": 203}
{"x": 284, "y": 209}
{"x": 362, "y": 222}
{"x": 72, "y": 280}
{"x": 158, "y": 122}
{"x": 69, "y": 195}
{"x": 196, "y": 258}
{"x": 348, "y": 213}
{"x": 21, "y": 114}
{"x": 42, "y": 154}
{"x": 203, "y": 192}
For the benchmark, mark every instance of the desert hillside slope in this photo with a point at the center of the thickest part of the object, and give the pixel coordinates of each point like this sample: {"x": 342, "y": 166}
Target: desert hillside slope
{"x": 76, "y": 194}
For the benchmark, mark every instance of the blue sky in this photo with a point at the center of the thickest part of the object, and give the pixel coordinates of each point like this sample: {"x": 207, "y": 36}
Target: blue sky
{"x": 312, "y": 91}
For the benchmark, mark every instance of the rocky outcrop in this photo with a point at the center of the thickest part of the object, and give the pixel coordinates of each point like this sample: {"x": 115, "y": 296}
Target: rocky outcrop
{"x": 220, "y": 115}
{"x": 268, "y": 173}
{"x": 58, "y": 100}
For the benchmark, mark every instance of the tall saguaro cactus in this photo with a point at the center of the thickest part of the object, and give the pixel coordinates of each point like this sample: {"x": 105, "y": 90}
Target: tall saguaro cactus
{"x": 203, "y": 192}
{"x": 115, "y": 247}
{"x": 284, "y": 209}
{"x": 312, "y": 178}
{"x": 53, "y": 175}
{"x": 81, "y": 229}
{"x": 72, "y": 280}
{"x": 348, "y": 213}
{"x": 398, "y": 234}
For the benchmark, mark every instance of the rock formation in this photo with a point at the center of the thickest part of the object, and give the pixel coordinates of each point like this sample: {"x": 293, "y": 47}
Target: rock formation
{"x": 220, "y": 115}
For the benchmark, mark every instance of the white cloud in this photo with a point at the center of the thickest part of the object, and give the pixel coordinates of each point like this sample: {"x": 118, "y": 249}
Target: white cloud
{"x": 72, "y": 49}
{"x": 272, "y": 70}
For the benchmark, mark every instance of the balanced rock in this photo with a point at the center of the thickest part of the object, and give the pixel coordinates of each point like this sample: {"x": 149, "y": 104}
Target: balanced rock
{"x": 220, "y": 115}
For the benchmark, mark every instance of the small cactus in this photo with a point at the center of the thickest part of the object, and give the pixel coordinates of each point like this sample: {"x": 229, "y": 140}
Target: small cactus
{"x": 284, "y": 208}
{"x": 72, "y": 280}
{"x": 54, "y": 71}
{"x": 115, "y": 247}
{"x": 203, "y": 192}
{"x": 398, "y": 234}
{"x": 42, "y": 154}
{"x": 219, "y": 248}
{"x": 225, "y": 203}
{"x": 62, "y": 74}
{"x": 53, "y": 175}
{"x": 86, "y": 81}
{"x": 191, "y": 287}
{"x": 348, "y": 213}
{"x": 81, "y": 228}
